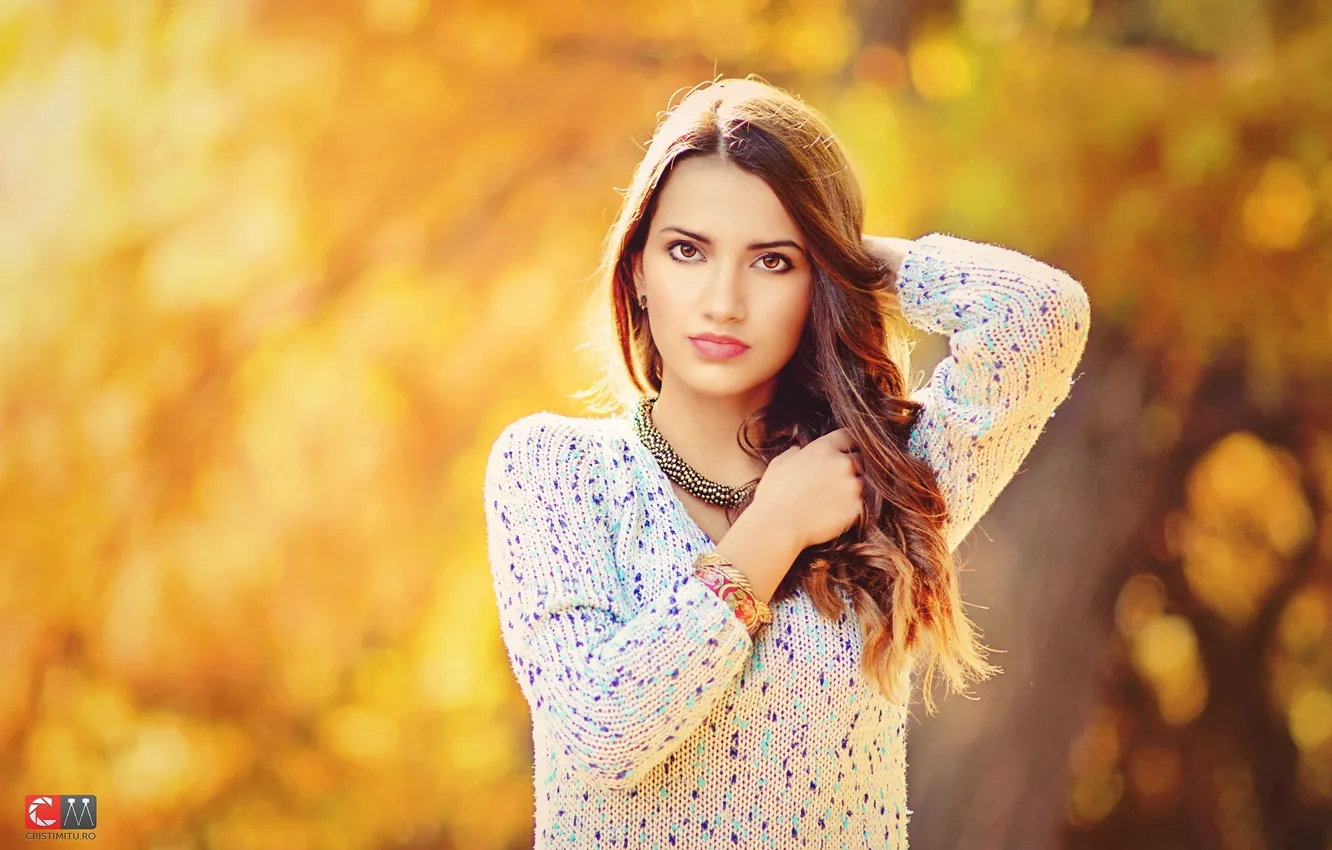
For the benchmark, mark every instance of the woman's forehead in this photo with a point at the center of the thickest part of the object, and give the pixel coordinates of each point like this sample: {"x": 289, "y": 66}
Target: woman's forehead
{"x": 723, "y": 202}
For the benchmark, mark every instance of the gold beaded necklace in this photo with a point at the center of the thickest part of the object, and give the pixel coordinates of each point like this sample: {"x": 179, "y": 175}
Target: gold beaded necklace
{"x": 675, "y": 467}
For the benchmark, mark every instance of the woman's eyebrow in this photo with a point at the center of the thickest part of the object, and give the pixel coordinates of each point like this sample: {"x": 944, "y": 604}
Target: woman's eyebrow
{"x": 780, "y": 243}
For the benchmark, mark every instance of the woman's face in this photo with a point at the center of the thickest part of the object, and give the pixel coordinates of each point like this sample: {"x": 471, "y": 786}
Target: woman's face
{"x": 723, "y": 257}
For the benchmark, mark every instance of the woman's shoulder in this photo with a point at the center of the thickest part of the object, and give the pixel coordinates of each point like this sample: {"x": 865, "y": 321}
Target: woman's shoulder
{"x": 546, "y": 443}
{"x": 557, "y": 431}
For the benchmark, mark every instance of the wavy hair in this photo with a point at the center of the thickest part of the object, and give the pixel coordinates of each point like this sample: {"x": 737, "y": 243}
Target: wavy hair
{"x": 894, "y": 566}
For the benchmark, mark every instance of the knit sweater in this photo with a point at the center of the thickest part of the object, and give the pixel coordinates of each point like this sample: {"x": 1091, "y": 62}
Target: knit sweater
{"x": 657, "y": 720}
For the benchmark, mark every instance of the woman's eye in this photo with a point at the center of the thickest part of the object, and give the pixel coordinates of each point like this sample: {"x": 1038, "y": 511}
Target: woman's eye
{"x": 683, "y": 246}
{"x": 688, "y": 251}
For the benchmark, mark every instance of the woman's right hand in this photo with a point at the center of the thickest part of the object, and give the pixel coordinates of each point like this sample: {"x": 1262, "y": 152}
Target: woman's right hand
{"x": 813, "y": 493}
{"x": 806, "y": 496}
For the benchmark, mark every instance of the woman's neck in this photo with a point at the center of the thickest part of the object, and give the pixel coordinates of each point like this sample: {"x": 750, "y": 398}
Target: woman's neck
{"x": 703, "y": 431}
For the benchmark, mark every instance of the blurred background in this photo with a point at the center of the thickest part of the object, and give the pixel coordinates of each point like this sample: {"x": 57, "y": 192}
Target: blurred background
{"x": 273, "y": 276}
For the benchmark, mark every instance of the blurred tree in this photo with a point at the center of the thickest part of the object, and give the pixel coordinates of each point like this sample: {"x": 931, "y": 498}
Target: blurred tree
{"x": 1177, "y": 161}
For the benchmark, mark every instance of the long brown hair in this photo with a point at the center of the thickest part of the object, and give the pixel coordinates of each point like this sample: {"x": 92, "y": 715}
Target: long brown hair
{"x": 894, "y": 565}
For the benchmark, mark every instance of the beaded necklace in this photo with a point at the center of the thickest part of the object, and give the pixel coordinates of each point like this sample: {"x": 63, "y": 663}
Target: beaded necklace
{"x": 675, "y": 467}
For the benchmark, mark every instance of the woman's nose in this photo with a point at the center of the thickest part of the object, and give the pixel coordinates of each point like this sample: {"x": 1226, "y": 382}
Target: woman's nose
{"x": 724, "y": 297}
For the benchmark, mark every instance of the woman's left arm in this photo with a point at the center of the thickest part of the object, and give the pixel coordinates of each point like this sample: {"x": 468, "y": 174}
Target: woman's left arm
{"x": 1017, "y": 329}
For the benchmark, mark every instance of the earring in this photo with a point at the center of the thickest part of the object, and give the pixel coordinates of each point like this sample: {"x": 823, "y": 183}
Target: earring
{"x": 642, "y": 301}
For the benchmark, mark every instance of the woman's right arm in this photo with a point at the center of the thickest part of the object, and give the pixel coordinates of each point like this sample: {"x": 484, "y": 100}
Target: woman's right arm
{"x": 617, "y": 693}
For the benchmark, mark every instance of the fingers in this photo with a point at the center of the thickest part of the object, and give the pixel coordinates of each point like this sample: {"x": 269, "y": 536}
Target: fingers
{"x": 853, "y": 455}
{"x": 839, "y": 440}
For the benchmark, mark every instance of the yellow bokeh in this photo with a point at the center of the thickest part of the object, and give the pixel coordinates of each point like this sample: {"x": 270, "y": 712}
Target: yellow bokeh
{"x": 820, "y": 38}
{"x": 1158, "y": 428}
{"x": 171, "y": 761}
{"x": 1092, "y": 796}
{"x": 941, "y": 68}
{"x": 1165, "y": 652}
{"x": 1231, "y": 576}
{"x": 1141, "y": 600}
{"x": 1311, "y": 717}
{"x": 1243, "y": 477}
{"x": 1247, "y": 516}
{"x": 1304, "y": 621}
{"x": 1276, "y": 212}
{"x": 361, "y": 734}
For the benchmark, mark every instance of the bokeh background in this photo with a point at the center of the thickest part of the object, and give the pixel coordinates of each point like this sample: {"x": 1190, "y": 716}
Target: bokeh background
{"x": 273, "y": 275}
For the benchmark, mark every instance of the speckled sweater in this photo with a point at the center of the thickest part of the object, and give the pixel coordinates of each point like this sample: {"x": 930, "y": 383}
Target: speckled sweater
{"x": 657, "y": 721}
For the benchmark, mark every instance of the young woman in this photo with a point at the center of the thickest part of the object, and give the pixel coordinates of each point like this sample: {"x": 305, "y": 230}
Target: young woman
{"x": 713, "y": 602}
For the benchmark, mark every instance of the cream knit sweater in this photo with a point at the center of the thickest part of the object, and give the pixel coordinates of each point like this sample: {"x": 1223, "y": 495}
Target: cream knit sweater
{"x": 657, "y": 720}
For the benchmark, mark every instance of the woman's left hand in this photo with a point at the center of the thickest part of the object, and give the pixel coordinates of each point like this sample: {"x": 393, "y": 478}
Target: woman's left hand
{"x": 891, "y": 250}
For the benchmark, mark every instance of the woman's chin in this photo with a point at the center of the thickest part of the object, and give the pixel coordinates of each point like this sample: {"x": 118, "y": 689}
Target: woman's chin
{"x": 718, "y": 381}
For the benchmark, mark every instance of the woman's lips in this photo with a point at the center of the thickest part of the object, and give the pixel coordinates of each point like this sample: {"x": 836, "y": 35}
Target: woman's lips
{"x": 718, "y": 350}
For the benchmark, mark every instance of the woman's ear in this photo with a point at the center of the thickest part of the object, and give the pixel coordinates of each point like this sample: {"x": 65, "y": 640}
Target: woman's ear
{"x": 636, "y": 263}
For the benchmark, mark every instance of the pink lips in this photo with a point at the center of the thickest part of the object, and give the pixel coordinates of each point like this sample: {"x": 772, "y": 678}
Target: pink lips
{"x": 718, "y": 348}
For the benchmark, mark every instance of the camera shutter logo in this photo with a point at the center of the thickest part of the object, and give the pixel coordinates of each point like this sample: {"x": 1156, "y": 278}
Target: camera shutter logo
{"x": 43, "y": 812}
{"x": 60, "y": 811}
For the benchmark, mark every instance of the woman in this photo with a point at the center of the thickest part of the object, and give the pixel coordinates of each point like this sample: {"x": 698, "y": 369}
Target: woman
{"x": 713, "y": 602}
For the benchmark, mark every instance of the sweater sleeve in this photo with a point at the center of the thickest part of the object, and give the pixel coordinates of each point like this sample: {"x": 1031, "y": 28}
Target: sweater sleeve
{"x": 1017, "y": 328}
{"x": 616, "y": 690}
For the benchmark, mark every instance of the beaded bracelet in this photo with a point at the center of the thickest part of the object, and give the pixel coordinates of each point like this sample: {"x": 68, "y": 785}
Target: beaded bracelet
{"x": 721, "y": 576}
